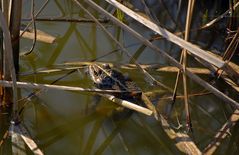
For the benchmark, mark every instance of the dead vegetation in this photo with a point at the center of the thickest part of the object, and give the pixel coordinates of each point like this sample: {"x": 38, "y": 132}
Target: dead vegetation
{"x": 208, "y": 64}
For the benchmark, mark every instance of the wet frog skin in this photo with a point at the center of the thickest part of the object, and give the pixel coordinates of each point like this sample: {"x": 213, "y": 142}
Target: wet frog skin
{"x": 106, "y": 78}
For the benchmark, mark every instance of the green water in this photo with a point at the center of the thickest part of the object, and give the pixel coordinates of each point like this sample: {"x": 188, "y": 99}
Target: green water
{"x": 64, "y": 122}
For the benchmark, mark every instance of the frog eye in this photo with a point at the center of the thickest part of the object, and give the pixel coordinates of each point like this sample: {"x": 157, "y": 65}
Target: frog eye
{"x": 97, "y": 81}
{"x": 106, "y": 66}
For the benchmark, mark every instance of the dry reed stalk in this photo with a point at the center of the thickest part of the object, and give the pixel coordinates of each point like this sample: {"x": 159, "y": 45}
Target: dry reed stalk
{"x": 207, "y": 25}
{"x": 183, "y": 60}
{"x": 176, "y": 82}
{"x": 183, "y": 141}
{"x": 14, "y": 27}
{"x": 192, "y": 49}
{"x": 182, "y": 96}
{"x": 212, "y": 22}
{"x": 231, "y": 47}
{"x": 124, "y": 103}
{"x": 152, "y": 80}
{"x": 193, "y": 76}
{"x": 155, "y": 67}
{"x": 6, "y": 93}
{"x": 10, "y": 62}
{"x": 6, "y": 10}
{"x": 128, "y": 104}
{"x": 150, "y": 104}
{"x": 1, "y": 68}
{"x": 184, "y": 52}
{"x": 57, "y": 87}
{"x": 169, "y": 69}
{"x": 222, "y": 133}
{"x": 34, "y": 29}
{"x": 166, "y": 56}
{"x": 228, "y": 54}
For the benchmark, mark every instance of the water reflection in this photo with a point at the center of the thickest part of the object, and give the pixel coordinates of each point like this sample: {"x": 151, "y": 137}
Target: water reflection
{"x": 69, "y": 123}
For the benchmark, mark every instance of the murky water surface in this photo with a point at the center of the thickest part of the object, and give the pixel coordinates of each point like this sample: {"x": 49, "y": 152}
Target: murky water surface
{"x": 64, "y": 122}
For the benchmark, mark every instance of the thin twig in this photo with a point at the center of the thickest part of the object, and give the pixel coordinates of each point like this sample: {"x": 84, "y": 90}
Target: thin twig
{"x": 166, "y": 56}
{"x": 34, "y": 28}
{"x": 231, "y": 47}
{"x": 183, "y": 60}
{"x": 189, "y": 95}
{"x": 176, "y": 84}
{"x": 130, "y": 56}
{"x": 183, "y": 141}
{"x": 194, "y": 50}
{"x": 29, "y": 24}
{"x": 212, "y": 22}
{"x": 206, "y": 26}
{"x": 184, "y": 52}
{"x": 58, "y": 87}
{"x": 151, "y": 79}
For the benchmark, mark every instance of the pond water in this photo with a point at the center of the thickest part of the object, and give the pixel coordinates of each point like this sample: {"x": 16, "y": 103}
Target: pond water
{"x": 65, "y": 122}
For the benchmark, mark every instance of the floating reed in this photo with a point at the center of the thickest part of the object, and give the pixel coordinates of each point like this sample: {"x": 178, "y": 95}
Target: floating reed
{"x": 169, "y": 58}
{"x": 128, "y": 104}
{"x": 121, "y": 102}
{"x": 169, "y": 69}
{"x": 201, "y": 54}
{"x": 57, "y": 87}
{"x": 193, "y": 49}
{"x": 41, "y": 36}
